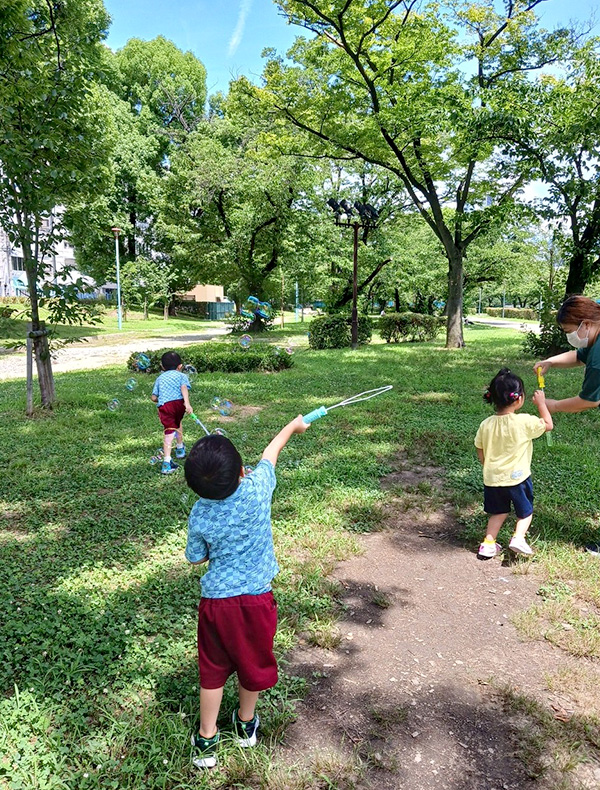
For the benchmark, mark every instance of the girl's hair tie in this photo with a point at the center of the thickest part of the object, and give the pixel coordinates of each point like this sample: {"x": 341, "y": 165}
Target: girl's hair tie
{"x": 515, "y": 396}
{"x": 487, "y": 395}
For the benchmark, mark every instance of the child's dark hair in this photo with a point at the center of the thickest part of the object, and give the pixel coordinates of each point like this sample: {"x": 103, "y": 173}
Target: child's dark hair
{"x": 504, "y": 389}
{"x": 213, "y": 467}
{"x": 170, "y": 360}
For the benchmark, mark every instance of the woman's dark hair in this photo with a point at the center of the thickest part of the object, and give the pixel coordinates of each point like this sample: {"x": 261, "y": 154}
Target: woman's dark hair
{"x": 170, "y": 360}
{"x": 505, "y": 388}
{"x": 213, "y": 467}
{"x": 576, "y": 309}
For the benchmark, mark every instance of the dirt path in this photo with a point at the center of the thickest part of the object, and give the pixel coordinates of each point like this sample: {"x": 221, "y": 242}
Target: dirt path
{"x": 96, "y": 354}
{"x": 414, "y": 692}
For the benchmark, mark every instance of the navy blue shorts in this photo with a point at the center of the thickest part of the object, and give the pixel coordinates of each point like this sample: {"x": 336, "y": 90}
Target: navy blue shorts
{"x": 497, "y": 499}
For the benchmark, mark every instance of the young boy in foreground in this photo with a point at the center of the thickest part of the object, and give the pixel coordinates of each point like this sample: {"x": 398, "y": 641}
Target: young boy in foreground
{"x": 230, "y": 528}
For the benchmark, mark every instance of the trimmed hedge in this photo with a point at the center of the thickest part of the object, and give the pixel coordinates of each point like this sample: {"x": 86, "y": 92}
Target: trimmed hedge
{"x": 222, "y": 358}
{"x": 335, "y": 331}
{"x": 525, "y": 313}
{"x": 394, "y": 327}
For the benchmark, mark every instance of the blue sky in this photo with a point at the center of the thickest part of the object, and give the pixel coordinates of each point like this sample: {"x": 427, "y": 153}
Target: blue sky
{"x": 229, "y": 35}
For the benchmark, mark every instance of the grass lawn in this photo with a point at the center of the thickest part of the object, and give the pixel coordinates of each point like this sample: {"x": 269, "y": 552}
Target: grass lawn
{"x": 98, "y": 678}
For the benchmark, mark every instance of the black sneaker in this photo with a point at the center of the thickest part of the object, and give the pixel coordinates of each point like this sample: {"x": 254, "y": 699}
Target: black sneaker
{"x": 245, "y": 730}
{"x": 593, "y": 548}
{"x": 205, "y": 750}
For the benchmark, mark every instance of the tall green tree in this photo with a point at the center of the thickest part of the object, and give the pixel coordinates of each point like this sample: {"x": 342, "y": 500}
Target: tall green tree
{"x": 405, "y": 87}
{"x": 554, "y": 130}
{"x": 53, "y": 134}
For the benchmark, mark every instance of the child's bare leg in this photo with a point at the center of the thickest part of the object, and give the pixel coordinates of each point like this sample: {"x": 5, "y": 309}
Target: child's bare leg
{"x": 248, "y": 700}
{"x": 167, "y": 444}
{"x": 494, "y": 524}
{"x": 210, "y": 704}
{"x": 179, "y": 437}
{"x": 522, "y": 526}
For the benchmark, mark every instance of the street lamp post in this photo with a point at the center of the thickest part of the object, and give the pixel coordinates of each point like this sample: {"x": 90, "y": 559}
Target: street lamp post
{"x": 116, "y": 232}
{"x": 357, "y": 216}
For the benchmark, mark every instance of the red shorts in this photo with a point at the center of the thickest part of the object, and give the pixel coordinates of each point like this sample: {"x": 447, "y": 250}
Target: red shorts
{"x": 171, "y": 414}
{"x": 236, "y": 635}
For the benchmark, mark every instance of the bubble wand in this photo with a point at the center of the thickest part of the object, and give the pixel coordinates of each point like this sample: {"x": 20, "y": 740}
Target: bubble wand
{"x": 199, "y": 422}
{"x": 542, "y": 386}
{"x": 322, "y": 410}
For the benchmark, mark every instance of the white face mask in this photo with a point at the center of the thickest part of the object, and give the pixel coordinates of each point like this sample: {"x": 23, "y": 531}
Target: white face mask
{"x": 574, "y": 340}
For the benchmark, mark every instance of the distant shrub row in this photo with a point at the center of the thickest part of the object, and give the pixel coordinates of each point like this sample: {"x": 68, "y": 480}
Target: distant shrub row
{"x": 334, "y": 331}
{"x": 525, "y": 313}
{"x": 394, "y": 327}
{"x": 222, "y": 358}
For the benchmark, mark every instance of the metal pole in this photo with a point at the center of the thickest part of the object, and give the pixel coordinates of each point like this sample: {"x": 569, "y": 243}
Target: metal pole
{"x": 503, "y": 300}
{"x": 282, "y": 300}
{"x": 356, "y": 226}
{"x": 116, "y": 231}
{"x": 479, "y": 309}
{"x": 297, "y": 311}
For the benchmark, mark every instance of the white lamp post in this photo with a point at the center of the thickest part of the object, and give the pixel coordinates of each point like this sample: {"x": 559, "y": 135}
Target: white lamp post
{"x": 116, "y": 231}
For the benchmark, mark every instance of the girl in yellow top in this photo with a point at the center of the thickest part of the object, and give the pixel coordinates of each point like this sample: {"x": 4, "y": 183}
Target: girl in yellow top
{"x": 504, "y": 445}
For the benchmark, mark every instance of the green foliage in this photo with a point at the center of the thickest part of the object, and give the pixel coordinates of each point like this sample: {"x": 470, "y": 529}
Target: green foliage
{"x": 223, "y": 358}
{"x": 526, "y": 313}
{"x": 550, "y": 340}
{"x": 394, "y": 327}
{"x": 334, "y": 331}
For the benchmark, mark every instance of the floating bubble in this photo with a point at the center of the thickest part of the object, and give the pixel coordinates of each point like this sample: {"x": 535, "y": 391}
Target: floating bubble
{"x": 190, "y": 371}
{"x": 142, "y": 362}
{"x": 244, "y": 437}
{"x": 256, "y": 419}
{"x": 248, "y": 470}
{"x": 264, "y": 310}
{"x": 222, "y": 405}
{"x": 219, "y": 432}
{"x": 250, "y": 306}
{"x": 245, "y": 341}
{"x": 131, "y": 384}
{"x": 289, "y": 350}
{"x": 113, "y": 405}
{"x": 157, "y": 457}
{"x": 185, "y": 498}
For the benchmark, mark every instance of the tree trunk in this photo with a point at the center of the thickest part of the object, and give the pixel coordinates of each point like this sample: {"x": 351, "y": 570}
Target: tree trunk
{"x": 166, "y": 310}
{"x": 454, "y": 305}
{"x": 38, "y": 334}
{"x": 576, "y": 280}
{"x": 145, "y": 309}
{"x": 397, "y": 300}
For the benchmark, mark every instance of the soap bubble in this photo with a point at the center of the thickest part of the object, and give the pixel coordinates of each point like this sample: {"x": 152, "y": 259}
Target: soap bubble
{"x": 142, "y": 362}
{"x": 264, "y": 310}
{"x": 219, "y": 432}
{"x": 250, "y": 306}
{"x": 289, "y": 350}
{"x": 256, "y": 419}
{"x": 157, "y": 457}
{"x": 113, "y": 405}
{"x": 222, "y": 405}
{"x": 185, "y": 498}
{"x": 190, "y": 371}
{"x": 245, "y": 341}
{"x": 244, "y": 437}
{"x": 248, "y": 470}
{"x": 131, "y": 384}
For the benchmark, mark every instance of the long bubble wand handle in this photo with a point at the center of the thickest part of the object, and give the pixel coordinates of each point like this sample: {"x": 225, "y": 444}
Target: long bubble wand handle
{"x": 542, "y": 386}
{"x": 367, "y": 395}
{"x": 199, "y": 422}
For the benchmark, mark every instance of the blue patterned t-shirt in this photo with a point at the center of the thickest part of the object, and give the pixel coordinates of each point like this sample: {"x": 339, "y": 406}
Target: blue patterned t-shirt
{"x": 167, "y": 386}
{"x": 235, "y": 534}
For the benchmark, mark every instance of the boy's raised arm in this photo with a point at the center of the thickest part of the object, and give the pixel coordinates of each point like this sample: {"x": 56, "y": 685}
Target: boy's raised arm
{"x": 277, "y": 444}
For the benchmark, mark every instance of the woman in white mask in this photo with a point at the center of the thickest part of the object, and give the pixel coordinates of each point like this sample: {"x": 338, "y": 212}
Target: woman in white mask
{"x": 579, "y": 318}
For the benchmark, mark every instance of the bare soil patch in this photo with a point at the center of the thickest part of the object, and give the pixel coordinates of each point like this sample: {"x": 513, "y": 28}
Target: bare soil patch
{"x": 432, "y": 686}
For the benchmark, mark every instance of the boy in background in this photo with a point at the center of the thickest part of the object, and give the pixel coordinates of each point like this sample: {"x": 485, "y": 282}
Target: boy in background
{"x": 230, "y": 528}
{"x": 171, "y": 392}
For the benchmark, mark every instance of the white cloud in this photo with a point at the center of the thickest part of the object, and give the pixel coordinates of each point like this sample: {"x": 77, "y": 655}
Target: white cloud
{"x": 238, "y": 33}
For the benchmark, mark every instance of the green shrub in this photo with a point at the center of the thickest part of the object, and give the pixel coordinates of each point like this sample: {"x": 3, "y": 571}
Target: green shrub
{"x": 551, "y": 340}
{"x": 223, "y": 358}
{"x": 524, "y": 313}
{"x": 335, "y": 331}
{"x": 394, "y": 327}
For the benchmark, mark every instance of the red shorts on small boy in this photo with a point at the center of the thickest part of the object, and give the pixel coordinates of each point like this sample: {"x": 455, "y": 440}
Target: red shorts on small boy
{"x": 171, "y": 414}
{"x": 236, "y": 635}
